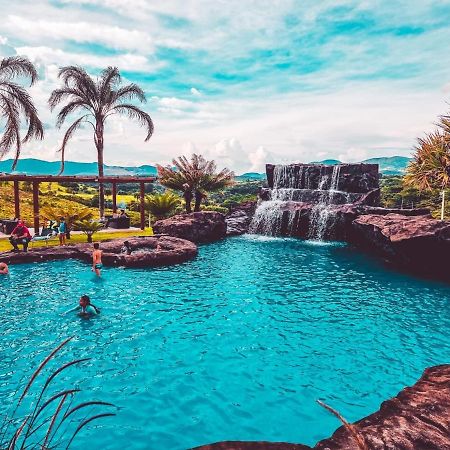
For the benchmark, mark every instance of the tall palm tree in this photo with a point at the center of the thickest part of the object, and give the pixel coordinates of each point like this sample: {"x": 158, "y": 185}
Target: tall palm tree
{"x": 14, "y": 101}
{"x": 96, "y": 100}
{"x": 430, "y": 167}
{"x": 195, "y": 176}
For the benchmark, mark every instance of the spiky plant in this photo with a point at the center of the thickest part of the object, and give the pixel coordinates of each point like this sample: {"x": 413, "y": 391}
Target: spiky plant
{"x": 162, "y": 205}
{"x": 70, "y": 213}
{"x": 15, "y": 102}
{"x": 198, "y": 174}
{"x": 88, "y": 227}
{"x": 94, "y": 101}
{"x": 430, "y": 167}
{"x": 52, "y": 421}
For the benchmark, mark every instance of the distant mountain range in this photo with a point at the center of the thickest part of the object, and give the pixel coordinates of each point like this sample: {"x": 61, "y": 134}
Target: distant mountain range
{"x": 40, "y": 167}
{"x": 393, "y": 165}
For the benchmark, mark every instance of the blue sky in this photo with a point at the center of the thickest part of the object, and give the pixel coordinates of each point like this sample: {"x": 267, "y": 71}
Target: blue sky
{"x": 246, "y": 82}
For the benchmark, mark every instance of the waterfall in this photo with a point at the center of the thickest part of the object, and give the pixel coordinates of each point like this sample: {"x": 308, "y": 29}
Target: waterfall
{"x": 322, "y": 212}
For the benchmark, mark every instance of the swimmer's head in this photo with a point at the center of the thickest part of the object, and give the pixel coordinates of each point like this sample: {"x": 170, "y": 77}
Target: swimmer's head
{"x": 84, "y": 301}
{"x": 96, "y": 246}
{"x": 126, "y": 243}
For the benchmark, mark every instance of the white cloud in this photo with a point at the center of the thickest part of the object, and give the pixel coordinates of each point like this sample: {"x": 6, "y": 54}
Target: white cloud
{"x": 195, "y": 92}
{"x": 82, "y": 32}
{"x": 48, "y": 55}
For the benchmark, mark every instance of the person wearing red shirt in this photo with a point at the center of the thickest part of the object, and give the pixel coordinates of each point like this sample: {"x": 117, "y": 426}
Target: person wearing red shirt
{"x": 20, "y": 235}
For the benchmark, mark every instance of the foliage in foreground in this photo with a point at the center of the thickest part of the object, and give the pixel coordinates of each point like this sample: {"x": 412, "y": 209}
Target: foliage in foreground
{"x": 52, "y": 421}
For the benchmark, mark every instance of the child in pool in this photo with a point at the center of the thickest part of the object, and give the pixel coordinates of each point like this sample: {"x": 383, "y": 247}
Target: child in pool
{"x": 97, "y": 259}
{"x": 4, "y": 269}
{"x": 85, "y": 307}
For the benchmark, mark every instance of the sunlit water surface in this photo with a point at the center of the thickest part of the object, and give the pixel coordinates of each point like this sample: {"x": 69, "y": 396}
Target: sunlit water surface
{"x": 237, "y": 344}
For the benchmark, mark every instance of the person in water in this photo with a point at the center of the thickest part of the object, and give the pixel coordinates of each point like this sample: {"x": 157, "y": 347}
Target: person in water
{"x": 97, "y": 264}
{"x": 4, "y": 270}
{"x": 62, "y": 231}
{"x": 126, "y": 248}
{"x": 85, "y": 307}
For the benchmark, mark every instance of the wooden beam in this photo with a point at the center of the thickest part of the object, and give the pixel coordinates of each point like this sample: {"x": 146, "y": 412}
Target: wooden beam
{"x": 114, "y": 196}
{"x": 142, "y": 205}
{"x": 76, "y": 179}
{"x": 16, "y": 200}
{"x": 36, "y": 206}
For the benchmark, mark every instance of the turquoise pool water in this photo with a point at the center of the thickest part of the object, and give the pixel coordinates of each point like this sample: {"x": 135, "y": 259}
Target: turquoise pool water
{"x": 237, "y": 344}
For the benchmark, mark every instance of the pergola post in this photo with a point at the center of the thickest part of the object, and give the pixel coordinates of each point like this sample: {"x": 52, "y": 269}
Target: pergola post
{"x": 114, "y": 196}
{"x": 16, "y": 200}
{"x": 142, "y": 206}
{"x": 36, "y": 206}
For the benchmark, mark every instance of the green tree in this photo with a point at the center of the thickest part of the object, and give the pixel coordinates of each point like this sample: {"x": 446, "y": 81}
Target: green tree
{"x": 14, "y": 102}
{"x": 88, "y": 227}
{"x": 196, "y": 174}
{"x": 96, "y": 100}
{"x": 430, "y": 167}
{"x": 162, "y": 205}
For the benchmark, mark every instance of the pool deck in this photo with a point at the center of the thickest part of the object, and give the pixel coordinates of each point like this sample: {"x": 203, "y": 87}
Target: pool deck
{"x": 103, "y": 230}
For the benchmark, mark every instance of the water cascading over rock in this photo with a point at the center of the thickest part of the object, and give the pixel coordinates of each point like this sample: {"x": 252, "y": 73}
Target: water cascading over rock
{"x": 313, "y": 200}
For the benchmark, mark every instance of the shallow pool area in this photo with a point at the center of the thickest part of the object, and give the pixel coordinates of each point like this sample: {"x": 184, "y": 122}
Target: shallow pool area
{"x": 237, "y": 344}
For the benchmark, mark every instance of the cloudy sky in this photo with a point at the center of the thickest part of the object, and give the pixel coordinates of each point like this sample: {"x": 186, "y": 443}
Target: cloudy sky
{"x": 243, "y": 81}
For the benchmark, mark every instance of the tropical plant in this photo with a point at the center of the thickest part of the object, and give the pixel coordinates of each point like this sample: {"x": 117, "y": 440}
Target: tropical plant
{"x": 48, "y": 420}
{"x": 14, "y": 101}
{"x": 194, "y": 176}
{"x": 162, "y": 205}
{"x": 96, "y": 100}
{"x": 430, "y": 167}
{"x": 88, "y": 227}
{"x": 70, "y": 213}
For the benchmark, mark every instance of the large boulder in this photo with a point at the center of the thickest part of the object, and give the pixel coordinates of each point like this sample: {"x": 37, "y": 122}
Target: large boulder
{"x": 204, "y": 226}
{"x": 239, "y": 218}
{"x": 417, "y": 243}
{"x": 146, "y": 252}
{"x": 417, "y": 419}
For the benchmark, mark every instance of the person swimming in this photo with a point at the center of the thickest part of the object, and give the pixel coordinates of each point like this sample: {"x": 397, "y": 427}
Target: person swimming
{"x": 4, "y": 270}
{"x": 85, "y": 307}
{"x": 126, "y": 248}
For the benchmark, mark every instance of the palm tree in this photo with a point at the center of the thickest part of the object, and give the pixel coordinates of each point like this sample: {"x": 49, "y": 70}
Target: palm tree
{"x": 96, "y": 100}
{"x": 196, "y": 175}
{"x": 430, "y": 167}
{"x": 162, "y": 205}
{"x": 14, "y": 101}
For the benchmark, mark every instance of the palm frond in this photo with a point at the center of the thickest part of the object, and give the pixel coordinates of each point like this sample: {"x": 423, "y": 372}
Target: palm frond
{"x": 133, "y": 112}
{"x": 17, "y": 66}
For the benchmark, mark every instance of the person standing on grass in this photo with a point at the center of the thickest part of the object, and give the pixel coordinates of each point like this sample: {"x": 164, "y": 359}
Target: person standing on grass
{"x": 97, "y": 264}
{"x": 62, "y": 231}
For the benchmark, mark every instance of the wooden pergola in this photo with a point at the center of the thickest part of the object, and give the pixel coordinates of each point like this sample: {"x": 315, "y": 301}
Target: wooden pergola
{"x": 36, "y": 179}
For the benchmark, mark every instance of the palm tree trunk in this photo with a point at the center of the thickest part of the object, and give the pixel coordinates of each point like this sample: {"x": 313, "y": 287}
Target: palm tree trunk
{"x": 443, "y": 204}
{"x": 99, "y": 144}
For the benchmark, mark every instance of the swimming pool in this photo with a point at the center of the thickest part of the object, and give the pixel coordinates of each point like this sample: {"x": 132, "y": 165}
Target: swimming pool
{"x": 237, "y": 344}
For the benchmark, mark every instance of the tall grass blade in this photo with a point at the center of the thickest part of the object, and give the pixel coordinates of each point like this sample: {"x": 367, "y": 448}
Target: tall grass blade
{"x": 85, "y": 422}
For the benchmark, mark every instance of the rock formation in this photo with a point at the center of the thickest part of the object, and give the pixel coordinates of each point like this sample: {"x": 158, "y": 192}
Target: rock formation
{"x": 146, "y": 252}
{"x": 205, "y": 226}
{"x": 418, "y": 243}
{"x": 239, "y": 218}
{"x": 417, "y": 419}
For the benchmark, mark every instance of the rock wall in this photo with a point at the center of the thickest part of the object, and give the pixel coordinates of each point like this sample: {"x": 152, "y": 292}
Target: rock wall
{"x": 360, "y": 178}
{"x": 204, "y": 226}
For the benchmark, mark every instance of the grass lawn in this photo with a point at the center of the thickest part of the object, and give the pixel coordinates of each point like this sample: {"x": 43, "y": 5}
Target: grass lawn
{"x": 81, "y": 238}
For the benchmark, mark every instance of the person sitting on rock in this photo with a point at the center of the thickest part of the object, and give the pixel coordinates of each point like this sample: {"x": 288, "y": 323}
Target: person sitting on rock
{"x": 4, "y": 269}
{"x": 20, "y": 235}
{"x": 126, "y": 248}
